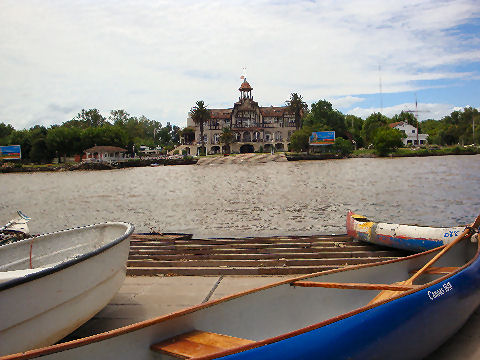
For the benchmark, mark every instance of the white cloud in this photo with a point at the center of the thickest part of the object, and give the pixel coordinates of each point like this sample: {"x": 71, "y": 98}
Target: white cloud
{"x": 424, "y": 110}
{"x": 346, "y": 101}
{"x": 158, "y": 58}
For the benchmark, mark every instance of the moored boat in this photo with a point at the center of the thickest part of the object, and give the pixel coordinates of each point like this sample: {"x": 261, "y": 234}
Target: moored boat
{"x": 405, "y": 237}
{"x": 53, "y": 283}
{"x": 16, "y": 229}
{"x": 398, "y": 309}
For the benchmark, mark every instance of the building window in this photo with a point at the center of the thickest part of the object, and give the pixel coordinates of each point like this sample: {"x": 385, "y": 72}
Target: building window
{"x": 413, "y": 131}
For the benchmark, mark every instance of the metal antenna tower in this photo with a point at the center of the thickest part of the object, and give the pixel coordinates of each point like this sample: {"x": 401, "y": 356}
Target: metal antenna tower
{"x": 415, "y": 112}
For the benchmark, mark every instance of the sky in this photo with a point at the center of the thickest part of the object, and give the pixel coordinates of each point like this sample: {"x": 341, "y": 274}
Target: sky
{"x": 157, "y": 58}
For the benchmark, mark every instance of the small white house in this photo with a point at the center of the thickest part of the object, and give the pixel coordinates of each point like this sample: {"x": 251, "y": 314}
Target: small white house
{"x": 411, "y": 131}
{"x": 105, "y": 153}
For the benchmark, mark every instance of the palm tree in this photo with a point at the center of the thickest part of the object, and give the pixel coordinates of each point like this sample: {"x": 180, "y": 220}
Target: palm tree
{"x": 200, "y": 115}
{"x": 297, "y": 106}
{"x": 227, "y": 137}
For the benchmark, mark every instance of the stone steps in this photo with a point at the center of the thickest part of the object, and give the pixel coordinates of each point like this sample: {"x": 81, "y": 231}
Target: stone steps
{"x": 180, "y": 254}
{"x": 242, "y": 158}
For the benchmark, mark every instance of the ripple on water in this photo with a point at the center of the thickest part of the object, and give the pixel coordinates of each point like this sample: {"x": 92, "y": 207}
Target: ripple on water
{"x": 308, "y": 197}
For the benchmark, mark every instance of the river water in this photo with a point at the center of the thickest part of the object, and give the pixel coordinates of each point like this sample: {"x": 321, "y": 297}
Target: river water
{"x": 276, "y": 198}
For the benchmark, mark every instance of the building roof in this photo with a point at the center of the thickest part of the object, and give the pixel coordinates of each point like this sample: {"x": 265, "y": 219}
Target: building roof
{"x": 245, "y": 86}
{"x": 104, "y": 149}
{"x": 273, "y": 111}
{"x": 220, "y": 113}
{"x": 395, "y": 124}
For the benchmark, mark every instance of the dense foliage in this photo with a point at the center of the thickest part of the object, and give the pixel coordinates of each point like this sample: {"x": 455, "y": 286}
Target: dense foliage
{"x": 387, "y": 140}
{"x": 461, "y": 127}
{"x": 89, "y": 128}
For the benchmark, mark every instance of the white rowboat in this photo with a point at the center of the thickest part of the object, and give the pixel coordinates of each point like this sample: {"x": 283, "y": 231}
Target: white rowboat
{"x": 53, "y": 283}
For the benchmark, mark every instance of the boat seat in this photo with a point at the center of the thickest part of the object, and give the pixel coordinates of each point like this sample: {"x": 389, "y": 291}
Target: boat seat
{"x": 355, "y": 286}
{"x": 438, "y": 270}
{"x": 14, "y": 274}
{"x": 198, "y": 343}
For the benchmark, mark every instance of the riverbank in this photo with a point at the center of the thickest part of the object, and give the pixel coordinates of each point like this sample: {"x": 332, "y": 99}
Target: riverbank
{"x": 10, "y": 167}
{"x": 402, "y": 152}
{"x": 20, "y": 168}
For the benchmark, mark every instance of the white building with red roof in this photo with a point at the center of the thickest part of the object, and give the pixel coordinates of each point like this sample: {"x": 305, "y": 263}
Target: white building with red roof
{"x": 413, "y": 137}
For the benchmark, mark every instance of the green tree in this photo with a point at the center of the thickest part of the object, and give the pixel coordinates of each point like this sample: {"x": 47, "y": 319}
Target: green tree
{"x": 118, "y": 117}
{"x": 354, "y": 126}
{"x": 107, "y": 134}
{"x": 25, "y": 139}
{"x": 188, "y": 134}
{"x": 406, "y": 117}
{"x": 298, "y": 107}
{"x": 372, "y": 123}
{"x": 64, "y": 141}
{"x": 343, "y": 147}
{"x": 387, "y": 140}
{"x": 40, "y": 153}
{"x": 168, "y": 136}
{"x": 5, "y": 131}
{"x": 299, "y": 141}
{"x": 227, "y": 137}
{"x": 200, "y": 115}
{"x": 22, "y": 138}
{"x": 323, "y": 114}
{"x": 86, "y": 119}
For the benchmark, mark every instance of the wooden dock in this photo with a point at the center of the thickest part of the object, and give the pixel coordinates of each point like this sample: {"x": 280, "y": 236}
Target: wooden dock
{"x": 180, "y": 254}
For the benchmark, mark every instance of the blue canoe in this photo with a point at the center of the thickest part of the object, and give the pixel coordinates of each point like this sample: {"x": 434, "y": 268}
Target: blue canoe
{"x": 405, "y": 237}
{"x": 398, "y": 309}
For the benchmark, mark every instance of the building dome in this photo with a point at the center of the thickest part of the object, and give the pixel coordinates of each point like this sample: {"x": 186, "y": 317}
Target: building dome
{"x": 245, "y": 86}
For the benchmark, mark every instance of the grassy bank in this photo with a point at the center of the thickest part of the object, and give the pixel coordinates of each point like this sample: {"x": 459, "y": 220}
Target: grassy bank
{"x": 17, "y": 167}
{"x": 427, "y": 151}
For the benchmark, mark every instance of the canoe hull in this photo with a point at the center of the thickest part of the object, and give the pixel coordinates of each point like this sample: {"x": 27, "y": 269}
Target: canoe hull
{"x": 49, "y": 307}
{"x": 408, "y": 328}
{"x": 404, "y": 237}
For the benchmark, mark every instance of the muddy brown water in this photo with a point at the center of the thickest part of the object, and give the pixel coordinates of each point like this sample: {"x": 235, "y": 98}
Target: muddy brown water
{"x": 276, "y": 198}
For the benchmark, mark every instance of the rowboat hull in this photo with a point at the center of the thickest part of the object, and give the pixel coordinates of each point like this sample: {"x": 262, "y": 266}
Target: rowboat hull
{"x": 73, "y": 276}
{"x": 404, "y": 237}
{"x": 288, "y": 321}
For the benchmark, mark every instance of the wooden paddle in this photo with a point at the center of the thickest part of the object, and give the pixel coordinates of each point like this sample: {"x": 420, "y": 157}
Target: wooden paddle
{"x": 387, "y": 294}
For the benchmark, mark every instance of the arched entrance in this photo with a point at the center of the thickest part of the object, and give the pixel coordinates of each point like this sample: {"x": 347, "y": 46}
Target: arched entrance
{"x": 279, "y": 146}
{"x": 247, "y": 148}
{"x": 215, "y": 149}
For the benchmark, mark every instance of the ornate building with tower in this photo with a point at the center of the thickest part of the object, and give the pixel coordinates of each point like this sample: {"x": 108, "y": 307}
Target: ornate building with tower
{"x": 256, "y": 128}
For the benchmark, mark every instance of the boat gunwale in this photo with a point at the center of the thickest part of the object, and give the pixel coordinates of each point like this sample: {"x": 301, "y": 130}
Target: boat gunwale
{"x": 149, "y": 322}
{"x": 367, "y": 220}
{"x": 66, "y": 264}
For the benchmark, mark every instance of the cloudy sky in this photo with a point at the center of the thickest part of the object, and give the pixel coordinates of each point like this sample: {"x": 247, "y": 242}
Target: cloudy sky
{"x": 156, "y": 58}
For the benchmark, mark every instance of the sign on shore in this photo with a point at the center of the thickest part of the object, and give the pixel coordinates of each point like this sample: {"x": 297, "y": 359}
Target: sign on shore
{"x": 10, "y": 152}
{"x": 322, "y": 138}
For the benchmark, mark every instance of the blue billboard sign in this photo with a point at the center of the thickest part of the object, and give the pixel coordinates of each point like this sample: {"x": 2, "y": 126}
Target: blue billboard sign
{"x": 11, "y": 152}
{"x": 322, "y": 138}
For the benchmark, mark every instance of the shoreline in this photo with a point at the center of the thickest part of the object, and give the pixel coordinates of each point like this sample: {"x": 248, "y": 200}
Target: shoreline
{"x": 252, "y": 157}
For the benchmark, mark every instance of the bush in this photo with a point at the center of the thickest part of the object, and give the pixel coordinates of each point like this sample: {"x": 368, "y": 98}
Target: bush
{"x": 299, "y": 140}
{"x": 343, "y": 147}
{"x": 387, "y": 140}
